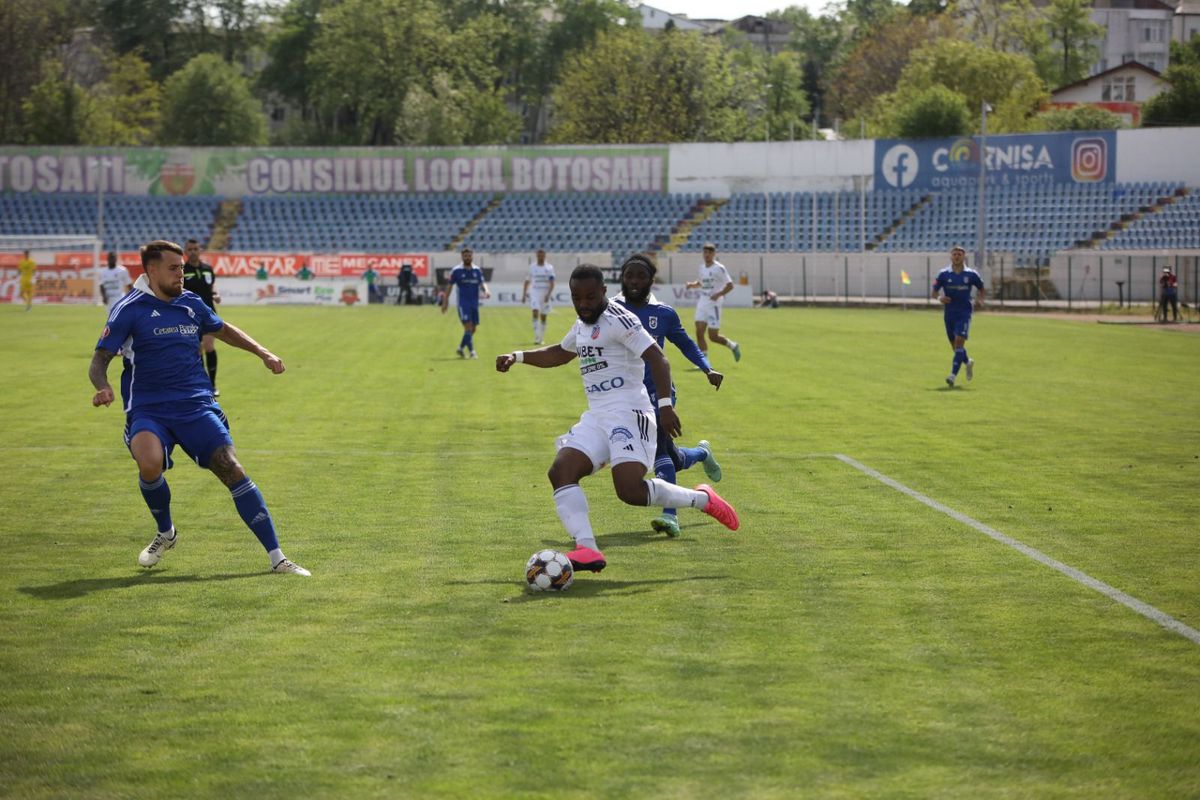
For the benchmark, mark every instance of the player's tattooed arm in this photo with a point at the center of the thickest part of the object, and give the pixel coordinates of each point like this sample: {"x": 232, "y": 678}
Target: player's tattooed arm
{"x": 236, "y": 337}
{"x": 98, "y": 374}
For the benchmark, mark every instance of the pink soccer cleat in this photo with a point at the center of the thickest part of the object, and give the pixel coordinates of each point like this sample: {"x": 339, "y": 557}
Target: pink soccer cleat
{"x": 588, "y": 559}
{"x": 718, "y": 509}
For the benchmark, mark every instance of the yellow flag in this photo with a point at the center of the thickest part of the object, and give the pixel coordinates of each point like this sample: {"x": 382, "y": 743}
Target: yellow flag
{"x": 904, "y": 278}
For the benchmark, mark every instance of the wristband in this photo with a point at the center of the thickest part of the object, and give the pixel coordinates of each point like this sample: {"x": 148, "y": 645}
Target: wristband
{"x": 665, "y": 402}
{"x": 519, "y": 356}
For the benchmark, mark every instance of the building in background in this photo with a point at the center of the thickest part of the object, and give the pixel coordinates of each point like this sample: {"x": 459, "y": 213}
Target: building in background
{"x": 1122, "y": 90}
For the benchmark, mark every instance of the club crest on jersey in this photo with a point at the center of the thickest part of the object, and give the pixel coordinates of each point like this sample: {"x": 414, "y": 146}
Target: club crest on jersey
{"x": 596, "y": 332}
{"x": 107, "y": 331}
{"x": 619, "y": 435}
{"x": 653, "y": 323}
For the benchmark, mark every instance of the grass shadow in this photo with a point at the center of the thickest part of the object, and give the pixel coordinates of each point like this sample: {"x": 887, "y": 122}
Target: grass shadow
{"x": 590, "y": 587}
{"x": 81, "y": 587}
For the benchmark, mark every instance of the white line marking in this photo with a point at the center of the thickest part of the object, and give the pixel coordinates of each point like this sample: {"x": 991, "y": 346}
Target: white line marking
{"x": 1145, "y": 609}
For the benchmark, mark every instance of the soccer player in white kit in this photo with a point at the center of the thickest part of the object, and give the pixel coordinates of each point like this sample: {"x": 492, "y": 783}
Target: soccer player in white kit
{"x": 537, "y": 290}
{"x": 618, "y": 428}
{"x": 115, "y": 282}
{"x": 714, "y": 283}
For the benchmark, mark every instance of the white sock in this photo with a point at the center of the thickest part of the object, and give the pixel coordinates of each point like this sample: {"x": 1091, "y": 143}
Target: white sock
{"x": 668, "y": 495}
{"x": 276, "y": 556}
{"x": 730, "y": 343}
{"x": 535, "y": 329}
{"x": 572, "y": 506}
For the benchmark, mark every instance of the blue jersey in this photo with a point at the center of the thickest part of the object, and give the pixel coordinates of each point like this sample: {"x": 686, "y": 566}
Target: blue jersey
{"x": 468, "y": 280}
{"x": 957, "y": 286}
{"x": 662, "y": 322}
{"x": 161, "y": 345}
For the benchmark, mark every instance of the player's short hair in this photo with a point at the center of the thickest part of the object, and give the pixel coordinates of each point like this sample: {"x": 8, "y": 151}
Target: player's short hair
{"x": 587, "y": 272}
{"x": 153, "y": 251}
{"x": 191, "y": 241}
{"x": 466, "y": 250}
{"x": 640, "y": 260}
{"x": 960, "y": 248}
{"x": 709, "y": 246}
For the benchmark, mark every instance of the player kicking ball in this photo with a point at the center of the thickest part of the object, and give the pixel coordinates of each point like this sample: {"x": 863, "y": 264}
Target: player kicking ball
{"x": 618, "y": 427}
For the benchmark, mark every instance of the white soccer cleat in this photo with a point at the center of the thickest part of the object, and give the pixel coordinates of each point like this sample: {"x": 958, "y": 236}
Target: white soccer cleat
{"x": 154, "y": 551}
{"x": 286, "y": 567}
{"x": 474, "y": 354}
{"x": 950, "y": 381}
{"x": 970, "y": 368}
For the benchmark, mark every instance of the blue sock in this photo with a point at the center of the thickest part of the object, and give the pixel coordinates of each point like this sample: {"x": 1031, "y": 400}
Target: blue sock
{"x": 664, "y": 468}
{"x": 469, "y": 338}
{"x": 253, "y": 510}
{"x": 158, "y": 498}
{"x": 691, "y": 456}
{"x": 960, "y": 358}
{"x": 462, "y": 343}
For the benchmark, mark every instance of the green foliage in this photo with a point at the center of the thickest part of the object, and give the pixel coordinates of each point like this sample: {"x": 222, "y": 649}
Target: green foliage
{"x": 1180, "y": 104}
{"x": 1075, "y": 40}
{"x": 932, "y": 112}
{"x": 633, "y": 86}
{"x": 128, "y": 103}
{"x": 821, "y": 42}
{"x": 29, "y": 31}
{"x": 787, "y": 109}
{"x": 1078, "y": 118}
{"x": 446, "y": 115}
{"x": 209, "y": 103}
{"x": 58, "y": 110}
{"x": 847, "y": 642}
{"x": 287, "y": 70}
{"x": 1006, "y": 81}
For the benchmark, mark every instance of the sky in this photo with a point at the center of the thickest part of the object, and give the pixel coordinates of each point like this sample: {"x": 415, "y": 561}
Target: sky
{"x": 724, "y": 9}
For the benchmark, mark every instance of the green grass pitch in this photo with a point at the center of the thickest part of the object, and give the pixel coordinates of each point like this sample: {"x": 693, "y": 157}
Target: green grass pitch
{"x": 846, "y": 642}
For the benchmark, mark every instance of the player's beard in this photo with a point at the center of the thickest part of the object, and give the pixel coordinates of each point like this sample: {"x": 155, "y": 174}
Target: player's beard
{"x": 636, "y": 296}
{"x": 591, "y": 319}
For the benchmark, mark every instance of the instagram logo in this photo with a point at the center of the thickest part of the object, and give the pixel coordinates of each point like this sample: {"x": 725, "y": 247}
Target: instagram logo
{"x": 1089, "y": 160}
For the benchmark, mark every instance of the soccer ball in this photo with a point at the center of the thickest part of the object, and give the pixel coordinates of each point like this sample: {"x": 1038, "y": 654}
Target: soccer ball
{"x": 549, "y": 571}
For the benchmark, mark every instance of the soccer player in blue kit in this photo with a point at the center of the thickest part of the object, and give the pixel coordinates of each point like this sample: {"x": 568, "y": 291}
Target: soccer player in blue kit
{"x": 952, "y": 288}
{"x": 168, "y": 397}
{"x": 662, "y": 322}
{"x": 469, "y": 280}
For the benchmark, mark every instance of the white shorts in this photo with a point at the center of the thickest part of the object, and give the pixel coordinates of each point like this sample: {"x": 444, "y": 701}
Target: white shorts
{"x": 537, "y": 305}
{"x": 709, "y": 313}
{"x": 613, "y": 437}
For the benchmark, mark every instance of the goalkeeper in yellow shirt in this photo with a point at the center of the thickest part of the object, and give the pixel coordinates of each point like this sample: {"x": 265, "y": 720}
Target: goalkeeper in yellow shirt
{"x": 28, "y": 268}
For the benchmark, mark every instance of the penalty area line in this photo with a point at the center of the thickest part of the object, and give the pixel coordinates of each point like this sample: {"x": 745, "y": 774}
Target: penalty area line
{"x": 1145, "y": 609}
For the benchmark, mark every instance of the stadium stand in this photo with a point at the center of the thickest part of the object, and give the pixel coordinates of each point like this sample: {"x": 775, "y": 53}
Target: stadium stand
{"x": 129, "y": 221}
{"x": 1032, "y": 222}
{"x": 621, "y": 223}
{"x": 355, "y": 222}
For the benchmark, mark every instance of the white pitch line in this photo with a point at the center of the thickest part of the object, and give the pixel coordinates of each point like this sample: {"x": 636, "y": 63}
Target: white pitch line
{"x": 1145, "y": 609}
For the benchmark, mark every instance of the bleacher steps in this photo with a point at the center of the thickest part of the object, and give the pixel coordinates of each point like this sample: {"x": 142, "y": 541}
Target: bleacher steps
{"x": 1128, "y": 218}
{"x": 224, "y": 222}
{"x": 699, "y": 212}
{"x": 908, "y": 214}
{"x": 462, "y": 235}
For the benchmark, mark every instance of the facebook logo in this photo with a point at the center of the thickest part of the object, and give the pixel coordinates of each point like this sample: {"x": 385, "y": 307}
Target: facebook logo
{"x": 899, "y": 166}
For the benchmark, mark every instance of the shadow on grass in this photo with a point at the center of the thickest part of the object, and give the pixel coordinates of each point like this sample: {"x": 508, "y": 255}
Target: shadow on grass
{"x": 81, "y": 587}
{"x": 631, "y": 538}
{"x": 590, "y": 586}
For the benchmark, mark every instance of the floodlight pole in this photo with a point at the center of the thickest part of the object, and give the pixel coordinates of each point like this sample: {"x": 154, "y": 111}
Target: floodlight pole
{"x": 981, "y": 230}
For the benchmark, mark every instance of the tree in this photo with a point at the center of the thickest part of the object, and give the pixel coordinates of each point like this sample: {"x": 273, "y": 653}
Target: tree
{"x": 447, "y": 114}
{"x": 208, "y": 102}
{"x": 291, "y": 39}
{"x": 1179, "y": 105}
{"x": 821, "y": 43}
{"x": 633, "y": 86}
{"x": 29, "y": 29}
{"x": 1078, "y": 118}
{"x": 1007, "y": 81}
{"x": 873, "y": 67}
{"x": 128, "y": 103}
{"x": 1074, "y": 36}
{"x": 786, "y": 102}
{"x": 933, "y": 112}
{"x": 58, "y": 110}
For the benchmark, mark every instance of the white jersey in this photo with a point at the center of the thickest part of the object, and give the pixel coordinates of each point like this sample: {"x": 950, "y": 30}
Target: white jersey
{"x": 540, "y": 278}
{"x": 114, "y": 282}
{"x": 610, "y": 359}
{"x": 712, "y": 279}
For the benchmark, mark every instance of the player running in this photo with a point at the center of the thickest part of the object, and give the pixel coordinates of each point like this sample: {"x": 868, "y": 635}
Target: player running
{"x": 619, "y": 427}
{"x": 114, "y": 282}
{"x": 714, "y": 283}
{"x": 168, "y": 397}
{"x": 661, "y": 321}
{"x": 537, "y": 290}
{"x": 469, "y": 280}
{"x": 954, "y": 284}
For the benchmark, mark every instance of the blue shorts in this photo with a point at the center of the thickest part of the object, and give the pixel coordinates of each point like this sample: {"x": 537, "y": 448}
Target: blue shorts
{"x": 470, "y": 315}
{"x": 957, "y": 325}
{"x": 200, "y": 429}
